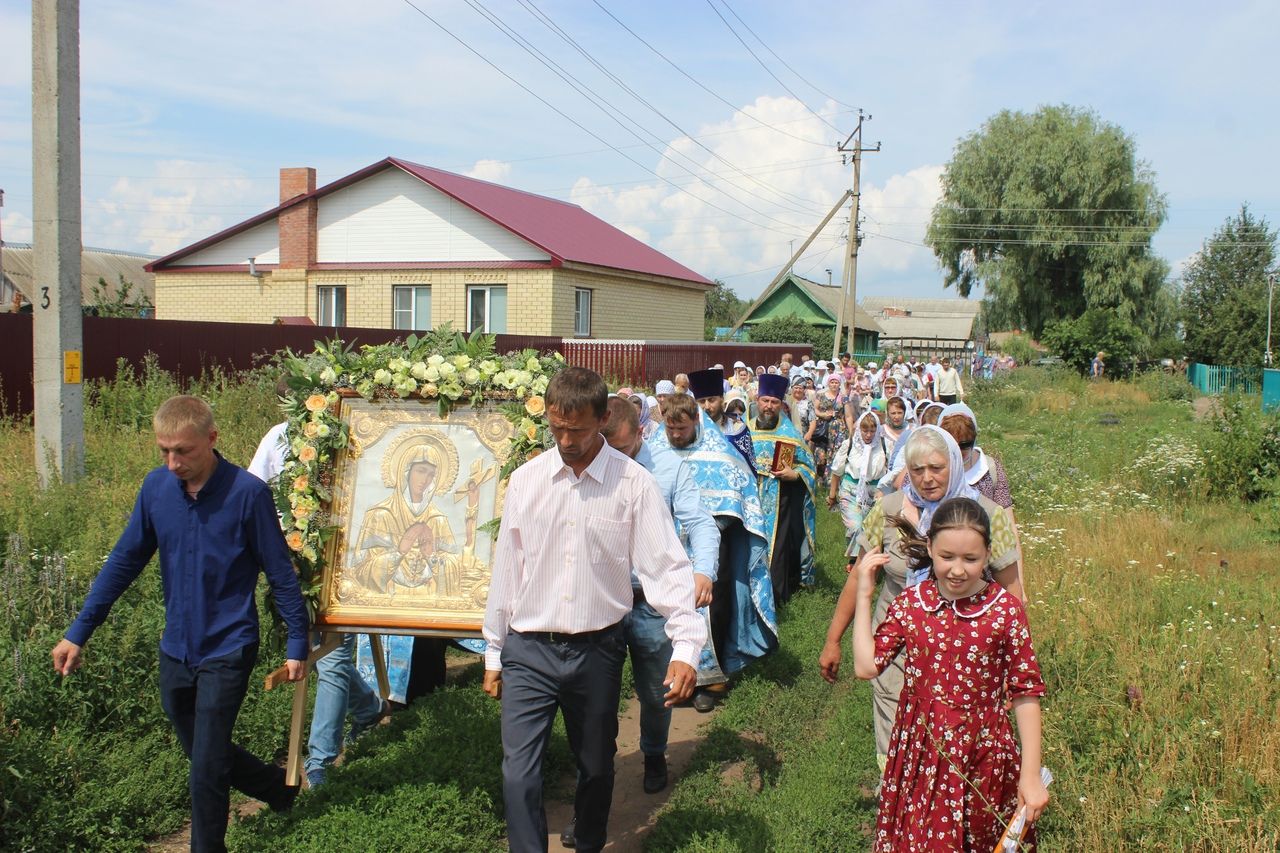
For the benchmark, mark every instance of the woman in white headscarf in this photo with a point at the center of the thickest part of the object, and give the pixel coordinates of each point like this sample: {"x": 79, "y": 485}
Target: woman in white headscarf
{"x": 859, "y": 462}
{"x": 935, "y": 472}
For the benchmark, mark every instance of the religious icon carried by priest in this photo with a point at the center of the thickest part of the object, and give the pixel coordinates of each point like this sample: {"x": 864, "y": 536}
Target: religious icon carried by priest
{"x": 787, "y": 481}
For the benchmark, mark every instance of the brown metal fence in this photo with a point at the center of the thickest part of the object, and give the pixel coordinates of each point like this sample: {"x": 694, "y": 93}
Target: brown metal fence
{"x": 187, "y": 348}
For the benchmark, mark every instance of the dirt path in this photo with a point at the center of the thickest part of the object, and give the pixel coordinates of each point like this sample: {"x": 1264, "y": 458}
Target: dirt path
{"x": 634, "y": 811}
{"x": 1203, "y": 406}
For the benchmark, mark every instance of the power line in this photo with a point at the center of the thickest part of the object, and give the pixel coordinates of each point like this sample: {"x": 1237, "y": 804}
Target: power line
{"x": 705, "y": 88}
{"x": 785, "y": 64}
{"x": 546, "y": 20}
{"x": 596, "y": 100}
{"x": 568, "y": 118}
{"x": 757, "y": 58}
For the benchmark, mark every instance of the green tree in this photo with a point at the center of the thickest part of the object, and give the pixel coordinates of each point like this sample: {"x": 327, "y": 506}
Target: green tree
{"x": 723, "y": 309}
{"x": 792, "y": 330}
{"x": 122, "y": 302}
{"x": 1052, "y": 212}
{"x": 1224, "y": 295}
{"x": 1078, "y": 340}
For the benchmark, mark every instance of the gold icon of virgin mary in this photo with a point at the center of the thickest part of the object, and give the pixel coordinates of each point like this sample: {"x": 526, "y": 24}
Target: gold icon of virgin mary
{"x": 405, "y": 541}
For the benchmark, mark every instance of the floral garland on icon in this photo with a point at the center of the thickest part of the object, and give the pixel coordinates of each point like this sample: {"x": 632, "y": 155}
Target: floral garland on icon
{"x": 441, "y": 365}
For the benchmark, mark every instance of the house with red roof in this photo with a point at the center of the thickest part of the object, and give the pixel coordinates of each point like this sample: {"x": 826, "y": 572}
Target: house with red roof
{"x": 405, "y": 246}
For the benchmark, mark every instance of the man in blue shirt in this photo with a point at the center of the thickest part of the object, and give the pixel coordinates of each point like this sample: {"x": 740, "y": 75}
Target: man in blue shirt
{"x": 215, "y": 527}
{"x": 645, "y": 627}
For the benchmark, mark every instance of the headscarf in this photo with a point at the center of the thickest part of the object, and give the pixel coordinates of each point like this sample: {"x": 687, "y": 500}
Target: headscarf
{"x": 979, "y": 468}
{"x": 957, "y": 484}
{"x": 865, "y": 453}
{"x": 665, "y": 386}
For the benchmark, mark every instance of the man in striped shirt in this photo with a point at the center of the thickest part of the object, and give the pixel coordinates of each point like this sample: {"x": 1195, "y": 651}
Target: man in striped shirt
{"x": 575, "y": 522}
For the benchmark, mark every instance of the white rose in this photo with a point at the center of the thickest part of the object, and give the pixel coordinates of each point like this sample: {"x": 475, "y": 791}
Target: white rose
{"x": 532, "y": 365}
{"x": 462, "y": 362}
{"x": 432, "y": 374}
{"x": 419, "y": 370}
{"x": 382, "y": 376}
{"x": 472, "y": 376}
{"x": 436, "y": 360}
{"x": 447, "y": 370}
{"x": 328, "y": 376}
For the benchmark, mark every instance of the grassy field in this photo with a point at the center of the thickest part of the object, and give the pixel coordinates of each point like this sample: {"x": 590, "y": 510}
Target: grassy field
{"x": 1153, "y": 606}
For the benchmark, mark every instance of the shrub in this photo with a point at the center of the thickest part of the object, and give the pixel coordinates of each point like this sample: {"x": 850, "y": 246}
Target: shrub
{"x": 1161, "y": 386}
{"x": 1098, "y": 329}
{"x": 1242, "y": 450}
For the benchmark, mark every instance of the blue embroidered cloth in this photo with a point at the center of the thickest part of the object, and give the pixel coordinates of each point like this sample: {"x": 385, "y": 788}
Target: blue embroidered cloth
{"x": 764, "y": 442}
{"x": 728, "y": 489}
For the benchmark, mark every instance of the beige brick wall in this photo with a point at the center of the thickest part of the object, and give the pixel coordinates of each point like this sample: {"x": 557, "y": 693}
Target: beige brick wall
{"x": 539, "y": 301}
{"x": 631, "y": 307}
{"x": 231, "y": 297}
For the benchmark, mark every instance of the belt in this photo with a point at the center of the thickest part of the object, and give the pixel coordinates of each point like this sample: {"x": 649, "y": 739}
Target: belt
{"x": 565, "y": 637}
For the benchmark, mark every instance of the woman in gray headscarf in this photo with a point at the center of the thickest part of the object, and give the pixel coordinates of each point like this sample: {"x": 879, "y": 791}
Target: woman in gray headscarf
{"x": 935, "y": 473}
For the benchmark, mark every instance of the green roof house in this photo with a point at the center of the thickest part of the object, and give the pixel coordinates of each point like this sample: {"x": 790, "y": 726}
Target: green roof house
{"x": 814, "y": 303}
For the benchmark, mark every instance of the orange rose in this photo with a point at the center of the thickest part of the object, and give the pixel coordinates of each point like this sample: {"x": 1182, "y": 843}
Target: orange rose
{"x": 294, "y": 540}
{"x": 301, "y": 484}
{"x": 311, "y": 430}
{"x": 302, "y": 512}
{"x": 535, "y": 406}
{"x": 307, "y": 453}
{"x": 535, "y": 452}
{"x": 316, "y": 402}
{"x": 531, "y": 433}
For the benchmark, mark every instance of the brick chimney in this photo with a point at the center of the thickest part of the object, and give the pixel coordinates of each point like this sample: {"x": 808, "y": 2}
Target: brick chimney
{"x": 298, "y": 223}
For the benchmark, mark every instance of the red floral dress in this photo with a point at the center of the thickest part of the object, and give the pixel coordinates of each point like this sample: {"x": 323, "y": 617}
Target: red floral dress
{"x": 952, "y": 777}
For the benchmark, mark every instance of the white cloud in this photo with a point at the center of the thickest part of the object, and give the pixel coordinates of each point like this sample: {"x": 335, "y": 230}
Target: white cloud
{"x": 495, "y": 171}
{"x": 187, "y": 202}
{"x": 897, "y": 214}
{"x": 16, "y": 227}
{"x": 774, "y": 190}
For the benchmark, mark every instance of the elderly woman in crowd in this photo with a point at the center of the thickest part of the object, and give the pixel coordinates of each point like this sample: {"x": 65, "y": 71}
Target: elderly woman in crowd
{"x": 935, "y": 468}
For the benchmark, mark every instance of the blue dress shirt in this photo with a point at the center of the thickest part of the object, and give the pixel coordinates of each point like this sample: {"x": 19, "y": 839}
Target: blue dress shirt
{"x": 680, "y": 491}
{"x": 211, "y": 550}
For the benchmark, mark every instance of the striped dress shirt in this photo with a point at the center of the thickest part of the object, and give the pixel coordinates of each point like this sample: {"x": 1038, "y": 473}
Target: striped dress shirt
{"x": 566, "y": 550}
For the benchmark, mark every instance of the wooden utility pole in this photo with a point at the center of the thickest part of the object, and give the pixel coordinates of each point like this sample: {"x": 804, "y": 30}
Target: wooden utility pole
{"x": 782, "y": 273}
{"x": 56, "y": 298}
{"x": 847, "y": 319}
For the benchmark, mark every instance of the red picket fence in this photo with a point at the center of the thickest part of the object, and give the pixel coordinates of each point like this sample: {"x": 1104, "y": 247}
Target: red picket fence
{"x": 187, "y": 348}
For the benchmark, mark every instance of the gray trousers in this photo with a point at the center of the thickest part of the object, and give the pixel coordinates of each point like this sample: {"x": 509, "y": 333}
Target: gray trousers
{"x": 584, "y": 681}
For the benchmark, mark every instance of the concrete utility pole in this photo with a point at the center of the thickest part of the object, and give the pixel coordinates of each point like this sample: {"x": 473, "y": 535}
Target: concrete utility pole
{"x": 55, "y": 137}
{"x": 849, "y": 305}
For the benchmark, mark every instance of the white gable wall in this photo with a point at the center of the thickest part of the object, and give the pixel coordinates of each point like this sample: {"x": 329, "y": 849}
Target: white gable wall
{"x": 393, "y": 216}
{"x": 261, "y": 242}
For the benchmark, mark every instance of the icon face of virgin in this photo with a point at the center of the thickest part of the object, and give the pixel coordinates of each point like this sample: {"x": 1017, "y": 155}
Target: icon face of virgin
{"x": 421, "y": 474}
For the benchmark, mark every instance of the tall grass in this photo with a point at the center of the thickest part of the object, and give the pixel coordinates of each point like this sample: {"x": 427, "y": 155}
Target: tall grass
{"x": 89, "y": 762}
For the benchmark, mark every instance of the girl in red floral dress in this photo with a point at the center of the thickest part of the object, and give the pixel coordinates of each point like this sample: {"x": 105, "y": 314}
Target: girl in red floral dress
{"x": 954, "y": 777}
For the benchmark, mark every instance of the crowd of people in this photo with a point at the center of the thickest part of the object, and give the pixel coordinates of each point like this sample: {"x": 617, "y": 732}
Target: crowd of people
{"x": 667, "y": 527}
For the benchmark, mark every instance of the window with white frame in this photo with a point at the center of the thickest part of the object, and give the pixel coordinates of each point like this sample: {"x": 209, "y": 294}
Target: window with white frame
{"x": 411, "y": 307}
{"x": 582, "y": 312}
{"x": 331, "y": 305}
{"x": 487, "y": 309}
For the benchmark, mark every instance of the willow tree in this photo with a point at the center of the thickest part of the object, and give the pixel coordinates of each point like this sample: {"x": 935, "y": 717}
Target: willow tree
{"x": 1052, "y": 213}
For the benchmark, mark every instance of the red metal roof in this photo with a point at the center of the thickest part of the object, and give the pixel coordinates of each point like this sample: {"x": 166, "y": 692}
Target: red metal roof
{"x": 563, "y": 230}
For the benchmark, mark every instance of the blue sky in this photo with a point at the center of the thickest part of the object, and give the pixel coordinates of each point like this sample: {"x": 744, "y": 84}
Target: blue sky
{"x": 190, "y": 108}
